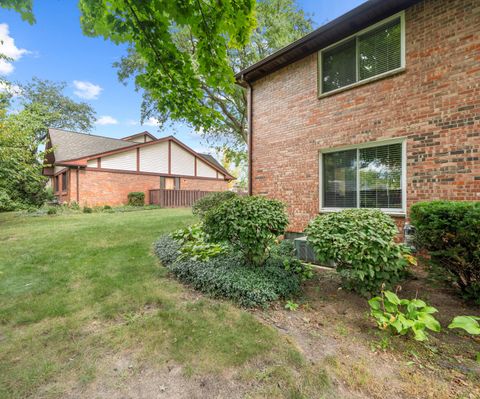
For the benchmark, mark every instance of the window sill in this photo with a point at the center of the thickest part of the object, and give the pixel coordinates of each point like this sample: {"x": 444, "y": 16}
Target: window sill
{"x": 363, "y": 82}
{"x": 399, "y": 213}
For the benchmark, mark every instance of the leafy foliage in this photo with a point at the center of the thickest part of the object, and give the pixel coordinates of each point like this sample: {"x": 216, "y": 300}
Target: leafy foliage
{"x": 228, "y": 276}
{"x": 195, "y": 245}
{"x": 290, "y": 305}
{"x": 249, "y": 224}
{"x": 167, "y": 249}
{"x": 136, "y": 198}
{"x": 450, "y": 231}
{"x": 210, "y": 201}
{"x": 361, "y": 243}
{"x": 219, "y": 111}
{"x": 469, "y": 324}
{"x": 402, "y": 315}
{"x": 173, "y": 77}
{"x": 87, "y": 209}
{"x": 23, "y": 7}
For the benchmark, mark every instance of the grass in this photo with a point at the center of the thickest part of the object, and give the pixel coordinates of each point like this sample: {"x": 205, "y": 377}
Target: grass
{"x": 78, "y": 289}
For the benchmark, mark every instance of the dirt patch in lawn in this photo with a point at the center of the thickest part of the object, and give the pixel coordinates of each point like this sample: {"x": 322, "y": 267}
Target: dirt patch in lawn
{"x": 333, "y": 329}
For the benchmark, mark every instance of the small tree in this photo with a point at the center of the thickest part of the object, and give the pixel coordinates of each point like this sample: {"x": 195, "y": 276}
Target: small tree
{"x": 250, "y": 224}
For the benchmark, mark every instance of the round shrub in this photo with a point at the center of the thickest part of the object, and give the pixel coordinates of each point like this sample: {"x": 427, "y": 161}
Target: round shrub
{"x": 210, "y": 201}
{"x": 249, "y": 224}
{"x": 86, "y": 209}
{"x": 361, "y": 243}
{"x": 136, "y": 198}
{"x": 450, "y": 231}
{"x": 52, "y": 211}
{"x": 107, "y": 207}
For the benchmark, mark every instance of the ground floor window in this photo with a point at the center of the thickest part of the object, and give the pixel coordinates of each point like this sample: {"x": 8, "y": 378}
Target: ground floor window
{"x": 64, "y": 181}
{"x": 369, "y": 176}
{"x": 56, "y": 182}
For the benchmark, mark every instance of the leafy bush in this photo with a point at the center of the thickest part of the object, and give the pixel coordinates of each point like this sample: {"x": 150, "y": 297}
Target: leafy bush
{"x": 210, "y": 201}
{"x": 195, "y": 244}
{"x": 250, "y": 224}
{"x": 167, "y": 249}
{"x": 74, "y": 206}
{"x": 107, "y": 207}
{"x": 227, "y": 276}
{"x": 403, "y": 315}
{"x": 136, "y": 198}
{"x": 86, "y": 209}
{"x": 52, "y": 211}
{"x": 361, "y": 243}
{"x": 450, "y": 231}
{"x": 286, "y": 251}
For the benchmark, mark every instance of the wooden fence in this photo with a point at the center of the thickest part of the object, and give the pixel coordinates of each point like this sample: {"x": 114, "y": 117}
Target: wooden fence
{"x": 176, "y": 198}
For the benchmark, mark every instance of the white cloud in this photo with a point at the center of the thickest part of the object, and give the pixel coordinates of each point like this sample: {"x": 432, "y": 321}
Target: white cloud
{"x": 106, "y": 120}
{"x": 152, "y": 122}
{"x": 86, "y": 90}
{"x": 9, "y": 49}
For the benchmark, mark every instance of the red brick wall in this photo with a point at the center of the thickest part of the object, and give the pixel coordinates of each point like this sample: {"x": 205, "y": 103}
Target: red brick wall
{"x": 203, "y": 184}
{"x": 109, "y": 188}
{"x": 434, "y": 104}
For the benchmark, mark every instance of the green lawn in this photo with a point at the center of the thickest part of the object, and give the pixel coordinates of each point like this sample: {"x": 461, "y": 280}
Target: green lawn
{"x": 77, "y": 290}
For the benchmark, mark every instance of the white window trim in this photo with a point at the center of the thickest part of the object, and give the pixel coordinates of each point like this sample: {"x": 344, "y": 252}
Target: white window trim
{"x": 321, "y": 94}
{"x": 389, "y": 211}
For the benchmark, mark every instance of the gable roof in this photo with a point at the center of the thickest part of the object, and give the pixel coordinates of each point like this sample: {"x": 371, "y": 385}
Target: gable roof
{"x": 67, "y": 144}
{"x": 145, "y": 133}
{"x": 212, "y": 160}
{"x": 73, "y": 148}
{"x": 361, "y": 17}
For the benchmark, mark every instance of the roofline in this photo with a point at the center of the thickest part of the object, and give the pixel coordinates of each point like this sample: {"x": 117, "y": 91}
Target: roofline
{"x": 144, "y": 133}
{"x": 71, "y": 162}
{"x": 83, "y": 133}
{"x": 353, "y": 21}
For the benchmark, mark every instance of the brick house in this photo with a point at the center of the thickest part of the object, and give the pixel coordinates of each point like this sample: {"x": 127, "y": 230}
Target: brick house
{"x": 94, "y": 170}
{"x": 379, "y": 108}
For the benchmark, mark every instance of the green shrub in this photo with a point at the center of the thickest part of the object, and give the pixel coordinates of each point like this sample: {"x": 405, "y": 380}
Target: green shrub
{"x": 227, "y": 276}
{"x": 402, "y": 315}
{"x": 210, "y": 201}
{"x": 450, "y": 231}
{"x": 107, "y": 207}
{"x": 250, "y": 224}
{"x": 74, "y": 206}
{"x": 52, "y": 211}
{"x": 361, "y": 243}
{"x": 136, "y": 198}
{"x": 86, "y": 209}
{"x": 195, "y": 244}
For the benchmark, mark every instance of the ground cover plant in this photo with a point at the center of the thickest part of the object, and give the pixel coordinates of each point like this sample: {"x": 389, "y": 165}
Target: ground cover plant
{"x": 450, "y": 231}
{"x": 85, "y": 311}
{"x": 362, "y": 244}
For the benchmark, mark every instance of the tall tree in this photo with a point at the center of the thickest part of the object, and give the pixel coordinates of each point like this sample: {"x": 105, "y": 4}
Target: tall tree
{"x": 223, "y": 116}
{"x": 56, "y": 109}
{"x": 174, "y": 77}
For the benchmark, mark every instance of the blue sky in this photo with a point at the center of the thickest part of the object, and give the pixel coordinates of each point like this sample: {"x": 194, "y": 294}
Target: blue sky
{"x": 55, "y": 48}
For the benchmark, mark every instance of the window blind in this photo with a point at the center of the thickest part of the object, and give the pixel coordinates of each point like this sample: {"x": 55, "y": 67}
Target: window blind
{"x": 380, "y": 170}
{"x": 340, "y": 179}
{"x": 338, "y": 66}
{"x": 379, "y": 50}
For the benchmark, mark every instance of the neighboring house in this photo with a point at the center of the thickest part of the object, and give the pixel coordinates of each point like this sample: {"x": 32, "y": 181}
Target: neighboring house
{"x": 94, "y": 170}
{"x": 379, "y": 108}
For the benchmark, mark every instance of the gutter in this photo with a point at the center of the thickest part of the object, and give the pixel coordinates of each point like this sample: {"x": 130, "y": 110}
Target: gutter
{"x": 250, "y": 134}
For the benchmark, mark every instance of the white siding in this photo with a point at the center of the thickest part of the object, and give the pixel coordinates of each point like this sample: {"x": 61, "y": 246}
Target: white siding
{"x": 92, "y": 163}
{"x": 123, "y": 160}
{"x": 139, "y": 139}
{"x": 148, "y": 138}
{"x": 183, "y": 163}
{"x": 204, "y": 170}
{"x": 57, "y": 169}
{"x": 154, "y": 158}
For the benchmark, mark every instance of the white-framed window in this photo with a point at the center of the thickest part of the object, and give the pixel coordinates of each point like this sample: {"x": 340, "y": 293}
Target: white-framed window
{"x": 370, "y": 54}
{"x": 370, "y": 175}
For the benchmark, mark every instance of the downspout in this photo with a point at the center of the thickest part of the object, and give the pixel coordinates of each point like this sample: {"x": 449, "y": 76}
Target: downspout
{"x": 250, "y": 135}
{"x": 78, "y": 186}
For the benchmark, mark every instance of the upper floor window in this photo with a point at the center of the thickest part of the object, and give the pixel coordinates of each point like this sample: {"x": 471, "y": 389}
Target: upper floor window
{"x": 371, "y": 53}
